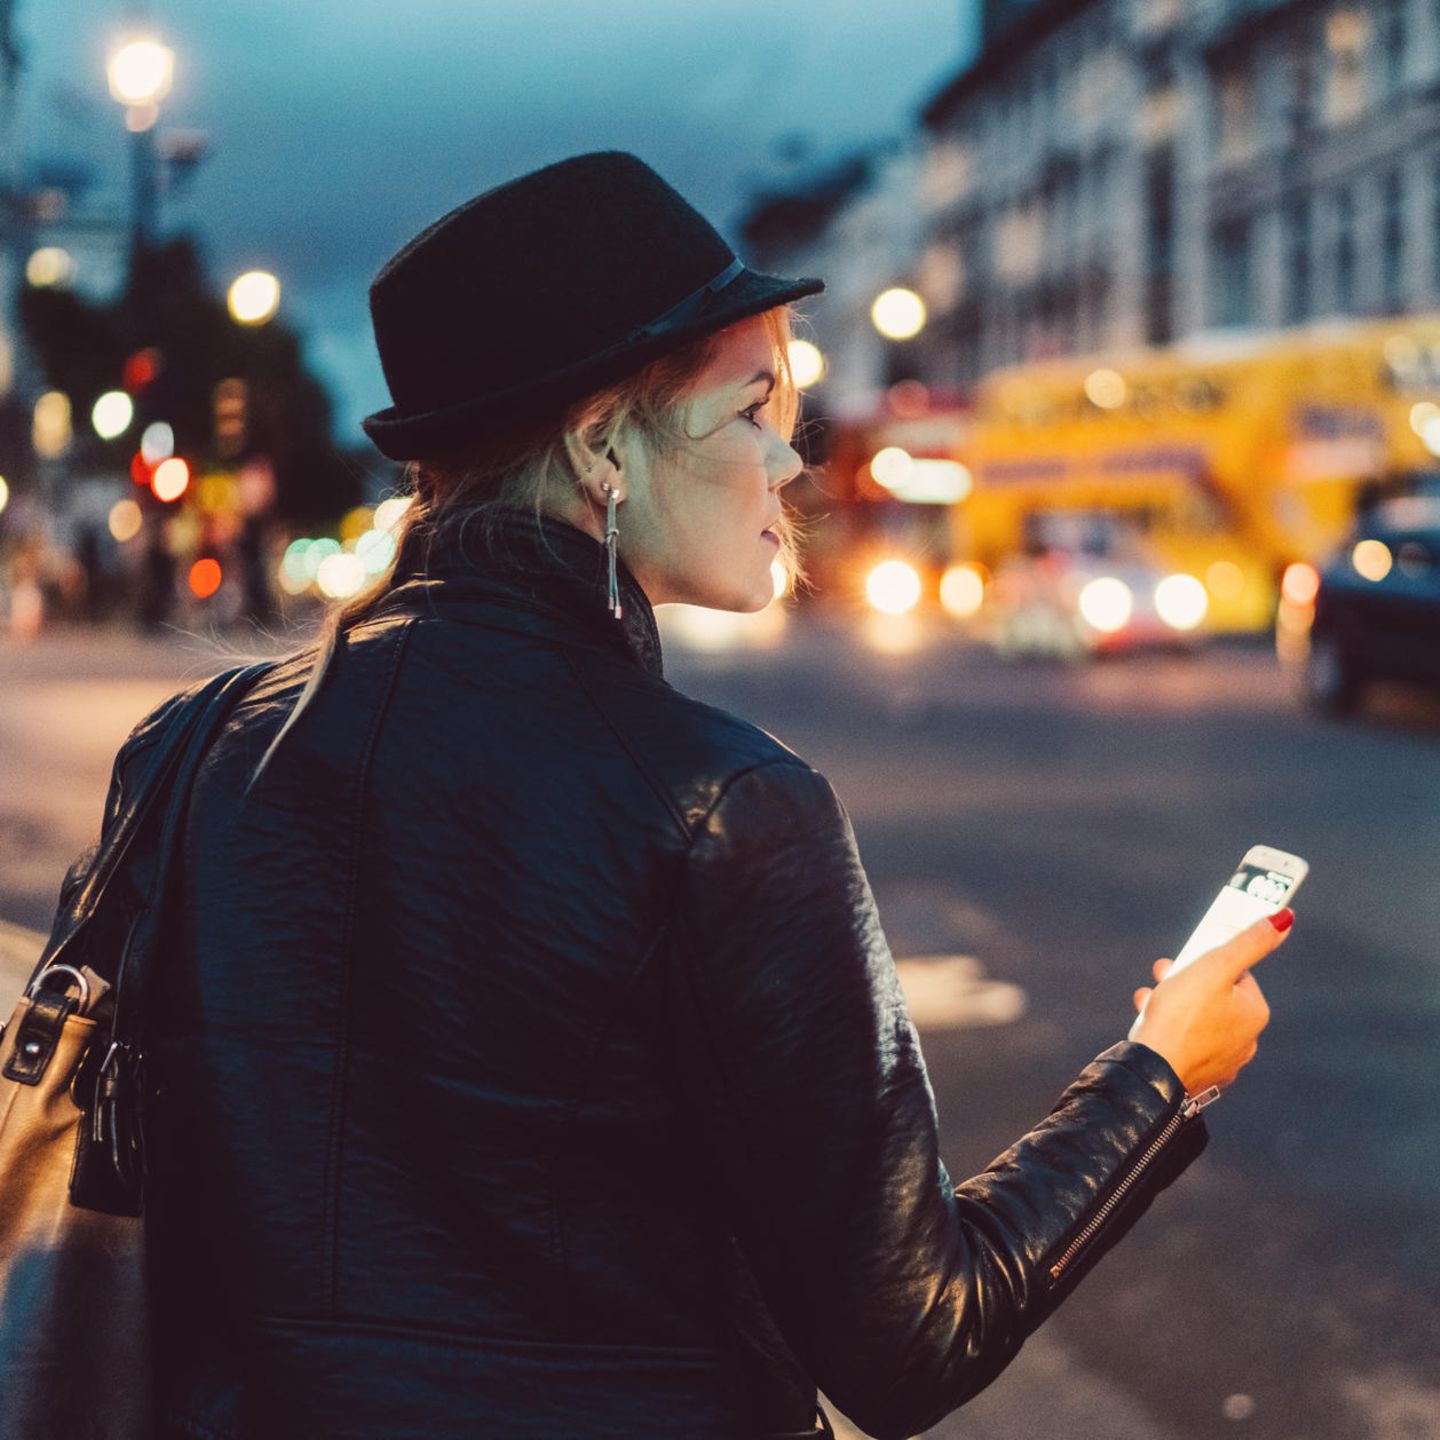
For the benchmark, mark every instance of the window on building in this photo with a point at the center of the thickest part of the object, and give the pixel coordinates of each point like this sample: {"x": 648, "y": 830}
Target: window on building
{"x": 1390, "y": 41}
{"x": 1347, "y": 43}
{"x": 1298, "y": 281}
{"x": 1159, "y": 242}
{"x": 1345, "y": 251}
{"x": 1230, "y": 273}
{"x": 1235, "y": 111}
{"x": 1435, "y": 224}
{"x": 1392, "y": 243}
{"x": 1301, "y": 55}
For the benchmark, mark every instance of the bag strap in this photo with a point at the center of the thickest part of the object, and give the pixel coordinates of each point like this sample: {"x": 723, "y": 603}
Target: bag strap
{"x": 134, "y": 973}
{"x": 178, "y": 751}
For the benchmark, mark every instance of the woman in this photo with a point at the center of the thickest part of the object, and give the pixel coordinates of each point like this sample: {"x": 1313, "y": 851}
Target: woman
{"x": 533, "y": 1062}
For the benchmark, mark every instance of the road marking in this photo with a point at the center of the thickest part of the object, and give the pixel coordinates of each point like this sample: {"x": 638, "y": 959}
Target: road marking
{"x": 950, "y": 992}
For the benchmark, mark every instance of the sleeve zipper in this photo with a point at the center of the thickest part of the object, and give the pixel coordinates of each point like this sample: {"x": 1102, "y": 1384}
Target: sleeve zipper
{"x": 1192, "y": 1106}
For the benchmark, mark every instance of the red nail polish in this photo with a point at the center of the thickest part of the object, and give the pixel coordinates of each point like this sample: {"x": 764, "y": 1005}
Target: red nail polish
{"x": 1282, "y": 920}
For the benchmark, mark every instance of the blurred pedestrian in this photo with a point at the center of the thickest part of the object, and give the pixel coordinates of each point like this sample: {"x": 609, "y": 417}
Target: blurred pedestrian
{"x": 531, "y": 1061}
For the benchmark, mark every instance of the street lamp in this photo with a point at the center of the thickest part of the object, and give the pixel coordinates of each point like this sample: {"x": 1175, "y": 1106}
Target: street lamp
{"x": 254, "y": 297}
{"x": 141, "y": 74}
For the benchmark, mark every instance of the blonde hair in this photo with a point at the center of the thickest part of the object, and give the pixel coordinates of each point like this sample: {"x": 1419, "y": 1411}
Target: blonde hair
{"x": 529, "y": 467}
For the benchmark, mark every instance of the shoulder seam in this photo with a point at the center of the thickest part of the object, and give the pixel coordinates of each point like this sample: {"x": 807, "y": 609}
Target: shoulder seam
{"x": 660, "y": 791}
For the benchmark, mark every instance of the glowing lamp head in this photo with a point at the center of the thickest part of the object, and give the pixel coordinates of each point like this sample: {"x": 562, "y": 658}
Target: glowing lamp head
{"x": 254, "y": 297}
{"x": 141, "y": 72}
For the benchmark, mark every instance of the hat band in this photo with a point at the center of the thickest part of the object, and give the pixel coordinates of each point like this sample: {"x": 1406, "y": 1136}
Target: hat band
{"x": 690, "y": 307}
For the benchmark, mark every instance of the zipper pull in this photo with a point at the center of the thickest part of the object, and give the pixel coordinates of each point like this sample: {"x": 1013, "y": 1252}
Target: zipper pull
{"x": 1194, "y": 1104}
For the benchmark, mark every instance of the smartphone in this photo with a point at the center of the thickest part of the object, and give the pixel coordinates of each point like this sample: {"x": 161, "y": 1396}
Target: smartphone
{"x": 1266, "y": 881}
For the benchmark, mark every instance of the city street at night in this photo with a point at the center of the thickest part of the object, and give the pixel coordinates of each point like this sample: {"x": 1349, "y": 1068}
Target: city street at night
{"x": 1036, "y": 834}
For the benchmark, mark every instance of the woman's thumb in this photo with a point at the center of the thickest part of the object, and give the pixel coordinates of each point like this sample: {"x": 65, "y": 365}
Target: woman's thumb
{"x": 1236, "y": 956}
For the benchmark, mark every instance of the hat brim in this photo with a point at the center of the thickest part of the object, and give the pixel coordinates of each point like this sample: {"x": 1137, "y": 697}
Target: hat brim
{"x": 411, "y": 436}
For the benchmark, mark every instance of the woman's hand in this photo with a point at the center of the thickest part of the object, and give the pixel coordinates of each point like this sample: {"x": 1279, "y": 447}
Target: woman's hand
{"x": 1207, "y": 1019}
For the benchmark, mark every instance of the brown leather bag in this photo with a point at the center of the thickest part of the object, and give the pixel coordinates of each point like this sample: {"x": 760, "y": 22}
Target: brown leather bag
{"x": 73, "y": 1334}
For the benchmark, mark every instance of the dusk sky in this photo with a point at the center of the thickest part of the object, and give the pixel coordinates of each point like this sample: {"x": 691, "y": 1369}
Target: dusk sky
{"x": 338, "y": 128}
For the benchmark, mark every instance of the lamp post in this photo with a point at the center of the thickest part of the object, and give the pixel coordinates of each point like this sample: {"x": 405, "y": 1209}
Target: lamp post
{"x": 140, "y": 74}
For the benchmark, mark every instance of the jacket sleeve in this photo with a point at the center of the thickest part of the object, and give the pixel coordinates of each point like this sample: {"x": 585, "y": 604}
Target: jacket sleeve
{"x": 901, "y": 1293}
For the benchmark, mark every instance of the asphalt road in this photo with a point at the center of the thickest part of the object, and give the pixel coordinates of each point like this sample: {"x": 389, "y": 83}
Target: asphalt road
{"x": 1035, "y": 836}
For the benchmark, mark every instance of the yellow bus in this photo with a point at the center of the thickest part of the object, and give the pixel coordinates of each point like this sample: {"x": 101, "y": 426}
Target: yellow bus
{"x": 1228, "y": 457}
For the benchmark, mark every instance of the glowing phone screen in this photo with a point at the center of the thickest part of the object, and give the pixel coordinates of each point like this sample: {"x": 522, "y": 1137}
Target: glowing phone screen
{"x": 1254, "y": 891}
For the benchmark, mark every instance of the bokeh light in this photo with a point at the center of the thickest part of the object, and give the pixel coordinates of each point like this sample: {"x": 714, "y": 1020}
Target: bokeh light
{"x": 376, "y": 549}
{"x": 1300, "y": 583}
{"x": 171, "y": 479}
{"x": 340, "y": 576}
{"x": 141, "y": 72}
{"x": 4, "y": 494}
{"x": 892, "y": 466}
{"x": 962, "y": 590}
{"x": 1106, "y": 604}
{"x": 157, "y": 442}
{"x": 388, "y": 513}
{"x": 125, "y": 520}
{"x": 1372, "y": 559}
{"x": 50, "y": 266}
{"x": 51, "y": 432}
{"x": 1225, "y": 580}
{"x": 254, "y": 297}
{"x": 1181, "y": 601}
{"x": 1106, "y": 389}
{"x": 112, "y": 413}
{"x": 205, "y": 577}
{"x": 893, "y": 587}
{"x": 779, "y": 579}
{"x": 807, "y": 364}
{"x": 898, "y": 313}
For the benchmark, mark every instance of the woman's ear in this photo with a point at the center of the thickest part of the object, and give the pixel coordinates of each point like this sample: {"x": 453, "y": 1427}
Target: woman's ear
{"x": 592, "y": 457}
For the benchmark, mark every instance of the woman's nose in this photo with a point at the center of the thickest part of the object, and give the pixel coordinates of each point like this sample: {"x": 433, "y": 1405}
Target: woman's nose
{"x": 785, "y": 463}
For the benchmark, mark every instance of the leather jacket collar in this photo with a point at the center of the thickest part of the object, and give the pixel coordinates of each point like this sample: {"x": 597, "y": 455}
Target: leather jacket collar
{"x": 547, "y": 565}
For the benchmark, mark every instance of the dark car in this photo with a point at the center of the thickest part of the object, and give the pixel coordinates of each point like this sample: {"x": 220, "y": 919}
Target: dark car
{"x": 1375, "y": 613}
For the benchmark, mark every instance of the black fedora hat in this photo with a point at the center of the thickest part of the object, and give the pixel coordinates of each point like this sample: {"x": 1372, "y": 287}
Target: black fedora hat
{"x": 543, "y": 290}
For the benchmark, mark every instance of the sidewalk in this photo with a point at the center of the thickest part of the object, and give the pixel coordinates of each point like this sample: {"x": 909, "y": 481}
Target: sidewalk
{"x": 19, "y": 950}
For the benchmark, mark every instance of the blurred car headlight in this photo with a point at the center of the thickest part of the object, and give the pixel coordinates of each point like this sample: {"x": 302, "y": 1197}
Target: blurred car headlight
{"x": 893, "y": 587}
{"x": 1106, "y": 604}
{"x": 1181, "y": 601}
{"x": 962, "y": 590}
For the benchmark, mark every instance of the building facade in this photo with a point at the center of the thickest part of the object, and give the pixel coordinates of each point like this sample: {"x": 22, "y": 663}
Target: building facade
{"x": 1109, "y": 174}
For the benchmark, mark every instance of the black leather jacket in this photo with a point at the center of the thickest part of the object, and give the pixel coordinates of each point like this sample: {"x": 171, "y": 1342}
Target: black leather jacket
{"x": 531, "y": 1060}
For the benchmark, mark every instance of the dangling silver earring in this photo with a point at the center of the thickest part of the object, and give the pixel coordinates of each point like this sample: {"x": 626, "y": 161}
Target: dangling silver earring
{"x": 612, "y": 532}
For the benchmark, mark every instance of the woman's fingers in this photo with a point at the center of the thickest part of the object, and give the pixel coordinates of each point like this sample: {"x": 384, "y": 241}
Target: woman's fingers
{"x": 1142, "y": 995}
{"x": 1161, "y": 968}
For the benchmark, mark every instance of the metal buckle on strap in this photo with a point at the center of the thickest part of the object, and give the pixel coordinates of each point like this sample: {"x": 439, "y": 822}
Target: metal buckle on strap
{"x": 74, "y": 978}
